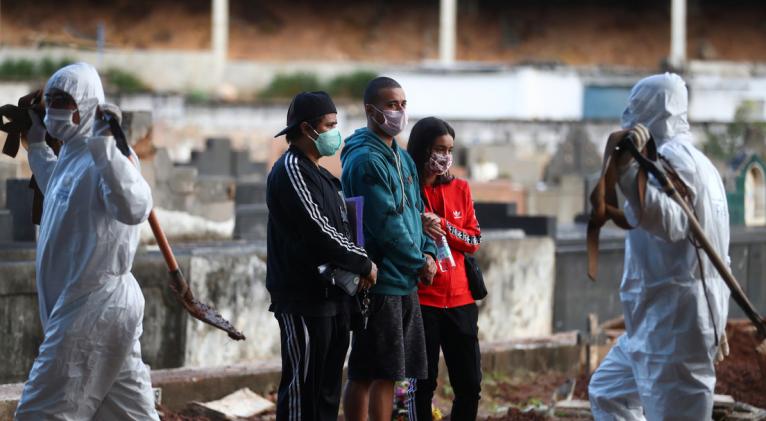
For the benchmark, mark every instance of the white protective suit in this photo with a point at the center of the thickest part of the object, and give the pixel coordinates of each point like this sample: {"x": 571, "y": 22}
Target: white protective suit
{"x": 89, "y": 365}
{"x": 662, "y": 368}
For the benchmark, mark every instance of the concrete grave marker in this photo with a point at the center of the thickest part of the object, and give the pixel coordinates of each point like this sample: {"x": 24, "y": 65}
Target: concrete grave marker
{"x": 19, "y": 202}
{"x": 243, "y": 403}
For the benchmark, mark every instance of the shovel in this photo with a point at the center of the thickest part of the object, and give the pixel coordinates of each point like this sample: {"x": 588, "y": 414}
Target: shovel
{"x": 178, "y": 284}
{"x": 20, "y": 122}
{"x": 737, "y": 293}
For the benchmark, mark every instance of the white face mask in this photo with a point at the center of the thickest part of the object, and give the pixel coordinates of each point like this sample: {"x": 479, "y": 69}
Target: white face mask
{"x": 58, "y": 122}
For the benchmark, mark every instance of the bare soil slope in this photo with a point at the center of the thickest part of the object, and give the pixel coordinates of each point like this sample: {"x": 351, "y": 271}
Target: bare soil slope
{"x": 597, "y": 32}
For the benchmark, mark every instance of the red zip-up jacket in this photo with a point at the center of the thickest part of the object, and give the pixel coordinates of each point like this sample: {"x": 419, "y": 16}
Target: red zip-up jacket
{"x": 453, "y": 203}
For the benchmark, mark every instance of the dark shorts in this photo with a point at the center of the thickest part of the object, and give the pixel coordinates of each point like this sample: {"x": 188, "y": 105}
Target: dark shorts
{"x": 393, "y": 345}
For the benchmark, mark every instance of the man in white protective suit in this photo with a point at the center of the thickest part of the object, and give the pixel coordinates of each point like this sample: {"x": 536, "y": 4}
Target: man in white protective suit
{"x": 662, "y": 367}
{"x": 89, "y": 364}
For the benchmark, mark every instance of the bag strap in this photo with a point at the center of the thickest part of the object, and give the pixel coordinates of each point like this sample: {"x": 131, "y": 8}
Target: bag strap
{"x": 603, "y": 198}
{"x": 685, "y": 193}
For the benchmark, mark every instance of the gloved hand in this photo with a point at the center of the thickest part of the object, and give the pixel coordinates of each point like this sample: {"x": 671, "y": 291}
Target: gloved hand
{"x": 36, "y": 132}
{"x": 101, "y": 126}
{"x": 641, "y": 136}
{"x": 723, "y": 349}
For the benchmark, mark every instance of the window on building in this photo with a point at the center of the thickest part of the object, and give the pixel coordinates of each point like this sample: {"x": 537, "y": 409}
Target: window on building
{"x": 604, "y": 102}
{"x": 755, "y": 196}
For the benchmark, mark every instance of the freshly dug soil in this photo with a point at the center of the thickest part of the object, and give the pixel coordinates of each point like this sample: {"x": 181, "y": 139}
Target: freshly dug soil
{"x": 526, "y": 390}
{"x": 514, "y": 414}
{"x": 167, "y": 415}
{"x": 581, "y": 388}
{"x": 739, "y": 374}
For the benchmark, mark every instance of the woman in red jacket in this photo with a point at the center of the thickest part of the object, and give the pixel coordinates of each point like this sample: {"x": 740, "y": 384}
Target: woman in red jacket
{"x": 449, "y": 311}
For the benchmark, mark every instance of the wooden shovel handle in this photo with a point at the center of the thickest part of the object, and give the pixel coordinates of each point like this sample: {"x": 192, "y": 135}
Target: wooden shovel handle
{"x": 162, "y": 242}
{"x": 737, "y": 293}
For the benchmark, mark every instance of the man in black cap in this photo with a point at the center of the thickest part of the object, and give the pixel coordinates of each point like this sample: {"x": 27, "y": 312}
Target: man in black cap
{"x": 308, "y": 228}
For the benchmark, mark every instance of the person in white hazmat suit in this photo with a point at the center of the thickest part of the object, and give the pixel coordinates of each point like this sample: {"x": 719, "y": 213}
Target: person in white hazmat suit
{"x": 662, "y": 367}
{"x": 89, "y": 365}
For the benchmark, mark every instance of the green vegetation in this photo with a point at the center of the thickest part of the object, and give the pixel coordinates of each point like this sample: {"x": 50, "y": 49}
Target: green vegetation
{"x": 122, "y": 81}
{"x": 197, "y": 96}
{"x": 286, "y": 86}
{"x": 743, "y": 133}
{"x": 115, "y": 80}
{"x": 24, "y": 69}
{"x": 348, "y": 86}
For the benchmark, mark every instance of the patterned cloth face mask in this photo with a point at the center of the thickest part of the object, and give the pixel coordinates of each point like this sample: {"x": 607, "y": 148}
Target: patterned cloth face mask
{"x": 440, "y": 163}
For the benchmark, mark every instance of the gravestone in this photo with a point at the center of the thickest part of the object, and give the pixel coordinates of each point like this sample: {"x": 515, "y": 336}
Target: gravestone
{"x": 251, "y": 222}
{"x": 493, "y": 215}
{"x": 502, "y": 216}
{"x": 219, "y": 159}
{"x": 577, "y": 154}
{"x": 242, "y": 166}
{"x": 19, "y": 202}
{"x": 210, "y": 189}
{"x": 215, "y": 159}
{"x": 6, "y": 226}
{"x": 250, "y": 193}
{"x": 7, "y": 171}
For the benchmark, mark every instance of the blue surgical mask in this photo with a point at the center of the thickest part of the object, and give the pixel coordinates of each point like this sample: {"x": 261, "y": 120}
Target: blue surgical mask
{"x": 328, "y": 142}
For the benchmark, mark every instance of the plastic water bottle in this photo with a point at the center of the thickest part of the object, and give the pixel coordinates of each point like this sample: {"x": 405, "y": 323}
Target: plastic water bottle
{"x": 444, "y": 255}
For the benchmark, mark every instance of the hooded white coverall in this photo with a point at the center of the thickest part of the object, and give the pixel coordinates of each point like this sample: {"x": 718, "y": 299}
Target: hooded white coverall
{"x": 89, "y": 365}
{"x": 662, "y": 368}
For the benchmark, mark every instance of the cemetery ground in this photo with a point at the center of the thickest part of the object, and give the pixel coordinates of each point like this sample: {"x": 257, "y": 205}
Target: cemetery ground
{"x": 522, "y": 395}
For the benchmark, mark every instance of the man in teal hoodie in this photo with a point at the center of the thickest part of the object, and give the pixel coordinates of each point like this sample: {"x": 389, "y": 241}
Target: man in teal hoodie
{"x": 390, "y": 346}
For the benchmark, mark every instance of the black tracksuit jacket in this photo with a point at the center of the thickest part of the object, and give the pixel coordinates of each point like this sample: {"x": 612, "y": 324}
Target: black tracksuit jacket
{"x": 307, "y": 228}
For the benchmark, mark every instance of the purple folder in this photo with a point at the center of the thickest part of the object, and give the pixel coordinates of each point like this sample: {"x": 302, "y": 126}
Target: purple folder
{"x": 355, "y": 209}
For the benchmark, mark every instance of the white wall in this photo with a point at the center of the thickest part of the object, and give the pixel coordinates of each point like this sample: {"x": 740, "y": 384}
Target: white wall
{"x": 716, "y": 98}
{"x": 523, "y": 94}
{"x": 235, "y": 283}
{"x": 519, "y": 273}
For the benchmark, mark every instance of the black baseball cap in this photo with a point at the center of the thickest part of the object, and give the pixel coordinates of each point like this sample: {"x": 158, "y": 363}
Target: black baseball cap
{"x": 307, "y": 106}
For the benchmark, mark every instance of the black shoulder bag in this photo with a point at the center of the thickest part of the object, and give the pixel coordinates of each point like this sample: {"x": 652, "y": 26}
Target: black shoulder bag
{"x": 475, "y": 277}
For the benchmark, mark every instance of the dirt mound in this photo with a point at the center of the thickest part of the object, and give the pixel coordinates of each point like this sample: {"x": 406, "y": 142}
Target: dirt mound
{"x": 526, "y": 390}
{"x": 399, "y": 31}
{"x": 739, "y": 374}
{"x": 581, "y": 388}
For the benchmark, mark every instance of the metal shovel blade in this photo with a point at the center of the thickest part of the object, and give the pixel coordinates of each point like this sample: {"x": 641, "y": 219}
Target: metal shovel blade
{"x": 200, "y": 310}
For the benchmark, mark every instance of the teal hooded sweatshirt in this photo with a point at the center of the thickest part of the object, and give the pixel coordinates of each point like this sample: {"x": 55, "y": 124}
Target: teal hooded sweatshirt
{"x": 393, "y": 232}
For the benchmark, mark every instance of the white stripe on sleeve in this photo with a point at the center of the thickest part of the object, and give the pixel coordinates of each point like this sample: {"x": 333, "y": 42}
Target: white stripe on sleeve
{"x": 300, "y": 187}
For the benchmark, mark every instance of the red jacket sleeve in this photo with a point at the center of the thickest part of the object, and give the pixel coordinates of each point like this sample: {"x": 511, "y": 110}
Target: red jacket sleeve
{"x": 465, "y": 236}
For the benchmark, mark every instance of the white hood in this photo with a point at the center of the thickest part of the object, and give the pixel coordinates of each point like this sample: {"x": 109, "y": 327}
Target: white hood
{"x": 82, "y": 82}
{"x": 661, "y": 103}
